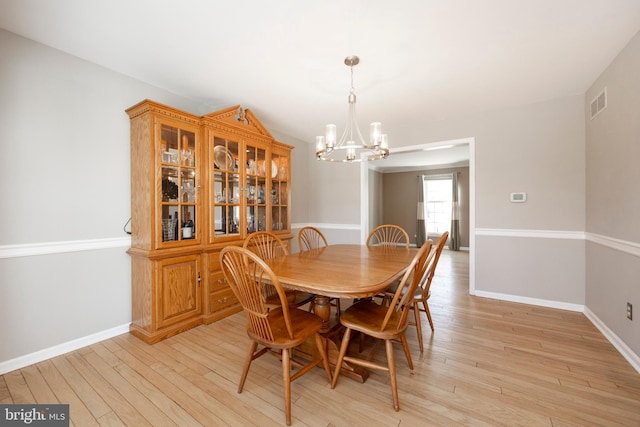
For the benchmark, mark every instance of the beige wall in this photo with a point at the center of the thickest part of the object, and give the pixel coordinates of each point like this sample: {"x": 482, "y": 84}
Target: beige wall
{"x": 400, "y": 195}
{"x": 613, "y": 197}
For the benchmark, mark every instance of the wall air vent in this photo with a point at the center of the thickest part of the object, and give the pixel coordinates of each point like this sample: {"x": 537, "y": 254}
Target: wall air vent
{"x": 599, "y": 103}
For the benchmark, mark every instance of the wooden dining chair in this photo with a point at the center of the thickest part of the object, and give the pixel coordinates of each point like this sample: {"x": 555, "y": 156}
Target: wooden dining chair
{"x": 388, "y": 235}
{"x": 387, "y": 323}
{"x": 277, "y": 330}
{"x": 423, "y": 291}
{"x": 311, "y": 238}
{"x": 267, "y": 246}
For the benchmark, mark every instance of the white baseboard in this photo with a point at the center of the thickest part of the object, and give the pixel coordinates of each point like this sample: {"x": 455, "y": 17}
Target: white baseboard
{"x": 624, "y": 350}
{"x": 531, "y": 301}
{"x": 57, "y": 350}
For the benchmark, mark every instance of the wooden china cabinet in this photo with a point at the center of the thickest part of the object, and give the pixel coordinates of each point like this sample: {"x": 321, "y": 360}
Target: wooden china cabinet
{"x": 198, "y": 184}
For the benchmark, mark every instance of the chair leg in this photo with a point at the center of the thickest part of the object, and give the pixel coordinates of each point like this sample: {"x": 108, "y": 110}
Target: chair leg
{"x": 247, "y": 364}
{"x": 416, "y": 313}
{"x": 407, "y": 352}
{"x": 360, "y": 343}
{"x": 392, "y": 374}
{"x": 343, "y": 351}
{"x": 286, "y": 376}
{"x": 323, "y": 354}
{"x": 426, "y": 309}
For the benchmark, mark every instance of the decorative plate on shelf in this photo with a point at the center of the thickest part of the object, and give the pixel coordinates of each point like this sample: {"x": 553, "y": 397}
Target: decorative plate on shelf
{"x": 219, "y": 155}
{"x": 274, "y": 170}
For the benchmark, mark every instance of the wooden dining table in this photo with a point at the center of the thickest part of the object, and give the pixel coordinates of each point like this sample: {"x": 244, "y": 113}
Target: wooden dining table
{"x": 342, "y": 271}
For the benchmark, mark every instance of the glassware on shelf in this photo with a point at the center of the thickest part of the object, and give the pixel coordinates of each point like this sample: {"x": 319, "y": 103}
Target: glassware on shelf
{"x": 188, "y": 191}
{"x": 169, "y": 227}
{"x": 187, "y": 157}
{"x": 187, "y": 153}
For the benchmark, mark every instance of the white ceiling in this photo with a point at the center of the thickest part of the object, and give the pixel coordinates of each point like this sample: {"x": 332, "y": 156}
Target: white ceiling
{"x": 433, "y": 157}
{"x": 420, "y": 60}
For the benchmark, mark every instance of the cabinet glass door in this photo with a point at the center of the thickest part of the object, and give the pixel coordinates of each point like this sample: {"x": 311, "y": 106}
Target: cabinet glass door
{"x": 256, "y": 189}
{"x": 226, "y": 188}
{"x": 178, "y": 184}
{"x": 279, "y": 192}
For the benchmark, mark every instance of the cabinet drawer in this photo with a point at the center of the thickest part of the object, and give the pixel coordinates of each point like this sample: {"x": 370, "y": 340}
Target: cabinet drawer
{"x": 217, "y": 282}
{"x": 214, "y": 261}
{"x": 222, "y": 299}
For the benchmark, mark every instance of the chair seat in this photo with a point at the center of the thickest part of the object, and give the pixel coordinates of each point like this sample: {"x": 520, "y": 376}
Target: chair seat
{"x": 367, "y": 316}
{"x": 418, "y": 294}
{"x": 304, "y": 325}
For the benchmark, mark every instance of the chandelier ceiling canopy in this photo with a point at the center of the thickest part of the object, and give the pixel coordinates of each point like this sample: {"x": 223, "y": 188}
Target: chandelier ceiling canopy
{"x": 352, "y": 147}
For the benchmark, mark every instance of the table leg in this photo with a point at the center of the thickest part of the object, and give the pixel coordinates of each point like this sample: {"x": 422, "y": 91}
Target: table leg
{"x": 322, "y": 309}
{"x": 333, "y": 335}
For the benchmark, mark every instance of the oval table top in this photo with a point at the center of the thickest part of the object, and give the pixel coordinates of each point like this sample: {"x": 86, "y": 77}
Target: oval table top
{"x": 343, "y": 271}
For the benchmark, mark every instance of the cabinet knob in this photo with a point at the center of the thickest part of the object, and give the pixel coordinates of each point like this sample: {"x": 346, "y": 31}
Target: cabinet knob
{"x": 222, "y": 300}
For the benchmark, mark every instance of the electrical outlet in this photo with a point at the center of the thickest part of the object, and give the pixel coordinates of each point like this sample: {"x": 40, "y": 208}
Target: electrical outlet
{"x": 629, "y": 311}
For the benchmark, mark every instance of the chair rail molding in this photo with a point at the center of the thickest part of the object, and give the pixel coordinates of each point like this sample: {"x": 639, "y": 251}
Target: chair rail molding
{"x": 542, "y": 234}
{"x": 631, "y": 248}
{"x": 626, "y": 246}
{"x": 49, "y": 248}
{"x": 329, "y": 226}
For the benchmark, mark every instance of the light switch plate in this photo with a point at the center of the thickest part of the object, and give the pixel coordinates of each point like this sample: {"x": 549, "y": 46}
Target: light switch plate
{"x": 518, "y": 197}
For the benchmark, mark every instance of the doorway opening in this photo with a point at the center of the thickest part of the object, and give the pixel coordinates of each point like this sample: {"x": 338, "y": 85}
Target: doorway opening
{"x": 366, "y": 209}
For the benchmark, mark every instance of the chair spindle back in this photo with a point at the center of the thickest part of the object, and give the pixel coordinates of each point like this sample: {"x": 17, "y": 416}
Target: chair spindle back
{"x": 246, "y": 274}
{"x": 311, "y": 238}
{"x": 404, "y": 293}
{"x": 388, "y": 235}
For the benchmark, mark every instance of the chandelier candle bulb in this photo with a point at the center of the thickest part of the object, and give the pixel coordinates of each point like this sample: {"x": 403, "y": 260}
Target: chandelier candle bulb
{"x": 384, "y": 143}
{"x": 374, "y": 133}
{"x": 331, "y": 137}
{"x": 319, "y": 144}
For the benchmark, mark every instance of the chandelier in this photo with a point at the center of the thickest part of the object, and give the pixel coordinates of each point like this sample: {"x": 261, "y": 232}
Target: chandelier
{"x": 351, "y": 147}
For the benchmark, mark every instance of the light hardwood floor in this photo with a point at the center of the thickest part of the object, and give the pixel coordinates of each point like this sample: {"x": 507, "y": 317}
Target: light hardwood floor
{"x": 488, "y": 363}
